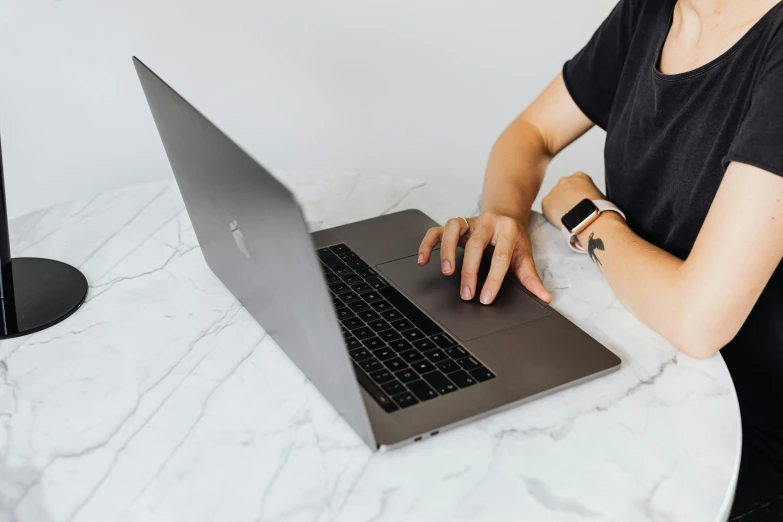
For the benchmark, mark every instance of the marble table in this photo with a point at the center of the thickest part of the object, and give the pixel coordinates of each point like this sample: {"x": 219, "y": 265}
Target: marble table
{"x": 163, "y": 400}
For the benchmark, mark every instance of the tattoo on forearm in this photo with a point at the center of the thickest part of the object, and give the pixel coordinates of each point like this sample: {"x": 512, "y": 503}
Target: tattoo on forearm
{"x": 592, "y": 244}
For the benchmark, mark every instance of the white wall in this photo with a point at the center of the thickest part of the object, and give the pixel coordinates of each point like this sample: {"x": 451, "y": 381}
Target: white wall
{"x": 417, "y": 88}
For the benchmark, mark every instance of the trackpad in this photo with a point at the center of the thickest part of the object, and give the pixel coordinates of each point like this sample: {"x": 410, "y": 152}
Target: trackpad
{"x": 439, "y": 296}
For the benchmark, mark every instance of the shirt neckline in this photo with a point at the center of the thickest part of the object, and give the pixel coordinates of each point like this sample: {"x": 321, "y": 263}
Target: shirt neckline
{"x": 712, "y": 63}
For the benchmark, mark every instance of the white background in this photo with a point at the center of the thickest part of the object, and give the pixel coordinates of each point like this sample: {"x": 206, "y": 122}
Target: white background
{"x": 416, "y": 88}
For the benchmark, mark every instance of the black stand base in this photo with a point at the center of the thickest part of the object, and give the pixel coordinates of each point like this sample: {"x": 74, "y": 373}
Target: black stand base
{"x": 38, "y": 293}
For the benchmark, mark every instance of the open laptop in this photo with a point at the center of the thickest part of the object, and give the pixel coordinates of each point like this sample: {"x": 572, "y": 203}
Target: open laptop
{"x": 388, "y": 343}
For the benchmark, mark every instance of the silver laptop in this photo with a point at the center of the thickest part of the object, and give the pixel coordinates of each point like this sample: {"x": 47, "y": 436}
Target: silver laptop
{"x": 388, "y": 343}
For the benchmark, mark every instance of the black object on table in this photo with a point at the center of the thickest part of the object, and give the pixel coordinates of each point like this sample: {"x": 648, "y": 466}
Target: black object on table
{"x": 35, "y": 293}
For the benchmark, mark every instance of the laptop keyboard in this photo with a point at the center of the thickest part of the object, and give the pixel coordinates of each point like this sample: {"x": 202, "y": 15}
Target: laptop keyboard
{"x": 401, "y": 357}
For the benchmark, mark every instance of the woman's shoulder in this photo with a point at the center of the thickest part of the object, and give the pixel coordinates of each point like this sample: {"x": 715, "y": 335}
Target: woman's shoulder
{"x": 772, "y": 34}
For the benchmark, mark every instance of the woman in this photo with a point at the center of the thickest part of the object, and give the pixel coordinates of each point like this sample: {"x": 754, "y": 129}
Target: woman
{"x": 690, "y": 93}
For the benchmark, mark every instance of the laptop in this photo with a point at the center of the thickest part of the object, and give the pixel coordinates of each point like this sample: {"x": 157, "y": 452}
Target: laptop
{"x": 388, "y": 343}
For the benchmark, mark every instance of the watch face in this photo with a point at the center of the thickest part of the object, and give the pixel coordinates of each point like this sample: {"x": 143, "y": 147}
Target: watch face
{"x": 583, "y": 210}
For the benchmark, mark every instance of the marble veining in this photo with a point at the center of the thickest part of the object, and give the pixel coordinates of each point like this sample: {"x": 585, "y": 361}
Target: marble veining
{"x": 162, "y": 399}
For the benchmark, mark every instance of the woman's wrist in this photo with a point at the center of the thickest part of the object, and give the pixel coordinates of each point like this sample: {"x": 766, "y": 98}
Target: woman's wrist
{"x": 520, "y": 217}
{"x": 603, "y": 226}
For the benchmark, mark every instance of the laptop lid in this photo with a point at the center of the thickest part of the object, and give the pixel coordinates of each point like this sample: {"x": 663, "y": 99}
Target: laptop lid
{"x": 255, "y": 239}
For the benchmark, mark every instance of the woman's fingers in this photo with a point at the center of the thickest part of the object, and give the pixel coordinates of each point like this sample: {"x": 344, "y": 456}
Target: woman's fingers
{"x": 454, "y": 229}
{"x": 509, "y": 238}
{"x": 528, "y": 276}
{"x": 431, "y": 238}
{"x": 501, "y": 259}
{"x": 474, "y": 249}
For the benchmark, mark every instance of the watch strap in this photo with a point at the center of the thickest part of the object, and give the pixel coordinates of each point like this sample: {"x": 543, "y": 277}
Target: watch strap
{"x": 602, "y": 205}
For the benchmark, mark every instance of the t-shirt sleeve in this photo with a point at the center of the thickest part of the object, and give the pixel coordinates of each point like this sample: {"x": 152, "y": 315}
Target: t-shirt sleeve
{"x": 759, "y": 140}
{"x": 592, "y": 76}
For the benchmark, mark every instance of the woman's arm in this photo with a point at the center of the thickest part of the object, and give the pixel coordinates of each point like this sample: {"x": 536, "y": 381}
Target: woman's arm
{"x": 520, "y": 156}
{"x": 698, "y": 304}
{"x": 513, "y": 178}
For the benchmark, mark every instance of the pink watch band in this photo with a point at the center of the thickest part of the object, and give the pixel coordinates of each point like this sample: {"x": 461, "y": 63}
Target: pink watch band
{"x": 602, "y": 205}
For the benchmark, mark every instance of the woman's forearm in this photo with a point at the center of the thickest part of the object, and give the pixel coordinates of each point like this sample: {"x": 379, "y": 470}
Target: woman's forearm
{"x": 644, "y": 277}
{"x": 515, "y": 171}
{"x": 519, "y": 159}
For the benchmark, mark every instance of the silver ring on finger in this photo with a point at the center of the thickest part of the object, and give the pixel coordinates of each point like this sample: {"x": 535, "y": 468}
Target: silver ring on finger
{"x": 467, "y": 225}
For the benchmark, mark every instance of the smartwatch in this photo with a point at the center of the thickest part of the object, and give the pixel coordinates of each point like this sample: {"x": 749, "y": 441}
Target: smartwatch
{"x": 581, "y": 216}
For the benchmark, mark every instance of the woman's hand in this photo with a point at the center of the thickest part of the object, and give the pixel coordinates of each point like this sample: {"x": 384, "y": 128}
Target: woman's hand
{"x": 512, "y": 251}
{"x": 569, "y": 191}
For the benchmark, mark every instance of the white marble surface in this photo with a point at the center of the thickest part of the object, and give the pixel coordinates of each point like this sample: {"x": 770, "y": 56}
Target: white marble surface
{"x": 163, "y": 400}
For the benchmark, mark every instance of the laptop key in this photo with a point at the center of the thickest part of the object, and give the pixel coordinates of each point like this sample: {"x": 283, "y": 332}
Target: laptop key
{"x": 358, "y": 306}
{"x": 411, "y": 356}
{"x": 381, "y": 376}
{"x": 461, "y": 378}
{"x": 351, "y": 279}
{"x": 352, "y": 323}
{"x": 391, "y": 315}
{"x": 425, "y": 345}
{"x": 371, "y": 364}
{"x": 357, "y": 265}
{"x": 361, "y": 287}
{"x": 379, "y": 325}
{"x": 414, "y": 315}
{"x": 405, "y": 399}
{"x": 390, "y": 336}
{"x": 368, "y": 315}
{"x": 422, "y": 390}
{"x": 331, "y": 278}
{"x": 375, "y": 392}
{"x": 448, "y": 366}
{"x": 423, "y": 367}
{"x": 395, "y": 364}
{"x": 339, "y": 249}
{"x": 339, "y": 288}
{"x": 456, "y": 352}
{"x": 402, "y": 325}
{"x": 413, "y": 335}
{"x": 360, "y": 354}
{"x": 469, "y": 363}
{"x": 337, "y": 302}
{"x": 348, "y": 256}
{"x": 439, "y": 381}
{"x": 352, "y": 343}
{"x": 400, "y": 345}
{"x": 328, "y": 257}
{"x": 344, "y": 313}
{"x": 346, "y": 333}
{"x": 377, "y": 282}
{"x": 443, "y": 340}
{"x": 349, "y": 297}
{"x": 342, "y": 270}
{"x": 373, "y": 343}
{"x": 437, "y": 355}
{"x": 381, "y": 306}
{"x": 367, "y": 272}
{"x": 371, "y": 296}
{"x": 393, "y": 387}
{"x": 385, "y": 353}
{"x": 362, "y": 333}
{"x": 482, "y": 374}
{"x": 406, "y": 375}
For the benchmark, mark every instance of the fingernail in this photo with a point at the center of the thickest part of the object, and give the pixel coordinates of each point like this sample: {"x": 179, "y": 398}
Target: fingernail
{"x": 446, "y": 266}
{"x": 421, "y": 258}
{"x": 465, "y": 292}
{"x": 486, "y": 295}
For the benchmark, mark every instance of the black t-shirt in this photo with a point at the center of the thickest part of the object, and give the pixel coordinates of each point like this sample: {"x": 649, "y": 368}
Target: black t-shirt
{"x": 669, "y": 140}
